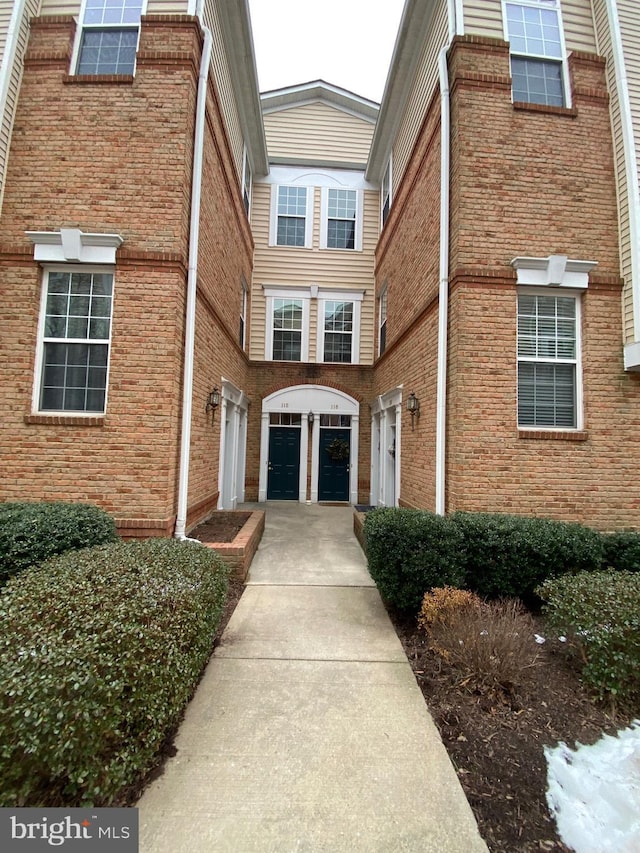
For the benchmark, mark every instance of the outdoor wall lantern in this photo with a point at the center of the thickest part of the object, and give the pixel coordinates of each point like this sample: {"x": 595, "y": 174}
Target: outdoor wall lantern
{"x": 311, "y": 417}
{"x": 213, "y": 401}
{"x": 413, "y": 407}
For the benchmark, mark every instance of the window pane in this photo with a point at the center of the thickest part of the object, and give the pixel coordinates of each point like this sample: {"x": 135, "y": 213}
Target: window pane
{"x": 287, "y": 314}
{"x": 342, "y": 204}
{"x": 66, "y": 378}
{"x": 337, "y": 347}
{"x": 546, "y": 395}
{"x": 291, "y": 231}
{"x": 108, "y": 52}
{"x": 338, "y": 316}
{"x": 341, "y": 234}
{"x": 287, "y": 345}
{"x": 292, "y": 201}
{"x": 537, "y": 81}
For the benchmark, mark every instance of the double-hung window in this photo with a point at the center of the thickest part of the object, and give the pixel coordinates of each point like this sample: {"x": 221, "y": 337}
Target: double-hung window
{"x": 338, "y": 331}
{"x": 382, "y": 332}
{"x": 534, "y": 31}
{"x": 341, "y": 224}
{"x": 246, "y": 182}
{"x": 287, "y": 329}
{"x": 243, "y": 314}
{"x": 293, "y": 216}
{"x": 548, "y": 360}
{"x": 109, "y": 36}
{"x": 75, "y": 336}
{"x": 385, "y": 194}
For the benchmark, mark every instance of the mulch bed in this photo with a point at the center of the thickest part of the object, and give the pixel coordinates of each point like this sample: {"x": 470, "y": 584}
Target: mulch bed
{"x": 221, "y": 527}
{"x": 495, "y": 739}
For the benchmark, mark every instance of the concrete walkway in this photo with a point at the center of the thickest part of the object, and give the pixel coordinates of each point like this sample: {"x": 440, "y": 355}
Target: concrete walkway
{"x": 308, "y": 732}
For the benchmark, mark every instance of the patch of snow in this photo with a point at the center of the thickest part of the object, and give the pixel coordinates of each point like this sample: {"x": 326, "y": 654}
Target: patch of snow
{"x": 594, "y": 793}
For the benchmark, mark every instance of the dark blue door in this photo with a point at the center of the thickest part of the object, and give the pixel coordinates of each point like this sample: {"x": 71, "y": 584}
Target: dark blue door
{"x": 284, "y": 463}
{"x": 334, "y": 465}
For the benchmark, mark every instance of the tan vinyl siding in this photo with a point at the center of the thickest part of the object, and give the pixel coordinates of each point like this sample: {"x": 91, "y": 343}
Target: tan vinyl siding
{"x": 6, "y": 7}
{"x": 630, "y": 31}
{"x": 154, "y": 7}
{"x": 14, "y": 78}
{"x": 317, "y": 131}
{"x": 286, "y": 266}
{"x": 423, "y": 88}
{"x": 484, "y": 18}
{"x": 222, "y": 76}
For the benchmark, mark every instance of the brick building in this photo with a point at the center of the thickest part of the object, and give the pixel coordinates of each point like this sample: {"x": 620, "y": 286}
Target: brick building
{"x": 212, "y": 296}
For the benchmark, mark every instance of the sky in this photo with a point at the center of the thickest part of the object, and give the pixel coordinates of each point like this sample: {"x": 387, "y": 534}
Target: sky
{"x": 348, "y": 43}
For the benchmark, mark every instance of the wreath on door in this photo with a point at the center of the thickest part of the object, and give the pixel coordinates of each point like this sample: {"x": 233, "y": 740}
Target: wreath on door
{"x": 338, "y": 450}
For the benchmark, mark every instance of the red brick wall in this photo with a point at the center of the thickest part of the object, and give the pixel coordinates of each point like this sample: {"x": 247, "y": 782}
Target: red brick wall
{"x": 524, "y": 181}
{"x": 115, "y": 155}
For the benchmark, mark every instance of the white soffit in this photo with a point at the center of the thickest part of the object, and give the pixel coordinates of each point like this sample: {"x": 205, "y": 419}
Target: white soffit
{"x": 554, "y": 271}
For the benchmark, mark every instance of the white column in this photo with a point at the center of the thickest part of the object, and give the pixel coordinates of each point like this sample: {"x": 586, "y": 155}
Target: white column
{"x": 315, "y": 458}
{"x": 264, "y": 457}
{"x": 353, "y": 459}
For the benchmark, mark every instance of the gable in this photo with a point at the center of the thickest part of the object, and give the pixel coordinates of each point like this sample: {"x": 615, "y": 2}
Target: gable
{"x": 317, "y": 132}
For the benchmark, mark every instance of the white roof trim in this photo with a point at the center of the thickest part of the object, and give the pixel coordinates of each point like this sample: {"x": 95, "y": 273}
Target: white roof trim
{"x": 554, "y": 271}
{"x": 409, "y": 45}
{"x": 71, "y": 245}
{"x": 319, "y": 91}
{"x": 238, "y": 41}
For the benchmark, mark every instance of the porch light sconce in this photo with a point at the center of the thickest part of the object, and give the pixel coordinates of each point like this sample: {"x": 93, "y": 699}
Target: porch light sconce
{"x": 311, "y": 417}
{"x": 213, "y": 401}
{"x": 413, "y": 407}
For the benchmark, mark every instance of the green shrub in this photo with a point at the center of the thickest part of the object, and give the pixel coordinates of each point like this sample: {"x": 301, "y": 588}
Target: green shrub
{"x": 622, "y": 550}
{"x": 600, "y": 612}
{"x": 409, "y": 552}
{"x": 509, "y": 555}
{"x": 100, "y": 651}
{"x": 32, "y": 532}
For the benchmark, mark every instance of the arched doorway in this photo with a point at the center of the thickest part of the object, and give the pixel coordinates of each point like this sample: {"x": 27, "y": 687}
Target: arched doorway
{"x": 309, "y": 445}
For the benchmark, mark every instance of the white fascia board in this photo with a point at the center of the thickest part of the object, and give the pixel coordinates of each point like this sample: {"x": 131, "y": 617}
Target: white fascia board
{"x": 632, "y": 357}
{"x": 238, "y": 41}
{"x": 410, "y": 41}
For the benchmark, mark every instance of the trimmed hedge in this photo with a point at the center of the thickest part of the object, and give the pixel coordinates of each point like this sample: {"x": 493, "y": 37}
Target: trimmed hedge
{"x": 32, "y": 532}
{"x": 509, "y": 555}
{"x": 411, "y": 551}
{"x": 622, "y": 550}
{"x": 100, "y": 651}
{"x": 600, "y": 612}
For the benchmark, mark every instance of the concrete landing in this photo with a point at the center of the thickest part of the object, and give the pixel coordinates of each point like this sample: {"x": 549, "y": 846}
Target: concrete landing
{"x": 308, "y": 732}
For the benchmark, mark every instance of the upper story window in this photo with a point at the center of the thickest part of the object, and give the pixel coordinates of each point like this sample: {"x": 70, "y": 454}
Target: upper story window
{"x": 109, "y": 36}
{"x": 548, "y": 360}
{"x": 243, "y": 314}
{"x": 292, "y": 216}
{"x": 75, "y": 334}
{"x": 246, "y": 182}
{"x": 382, "y": 330}
{"x": 538, "y": 69}
{"x": 385, "y": 194}
{"x": 338, "y": 331}
{"x": 287, "y": 330}
{"x": 341, "y": 225}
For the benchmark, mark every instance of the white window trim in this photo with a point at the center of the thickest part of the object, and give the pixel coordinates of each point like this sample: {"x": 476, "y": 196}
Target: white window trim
{"x": 577, "y": 295}
{"x": 272, "y": 293}
{"x": 39, "y": 359}
{"x": 354, "y": 296}
{"x": 308, "y": 224}
{"x": 540, "y": 4}
{"x": 80, "y": 28}
{"x": 324, "y": 218}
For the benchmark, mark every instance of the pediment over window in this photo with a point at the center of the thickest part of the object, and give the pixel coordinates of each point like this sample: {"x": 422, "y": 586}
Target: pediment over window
{"x": 71, "y": 245}
{"x": 554, "y": 271}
